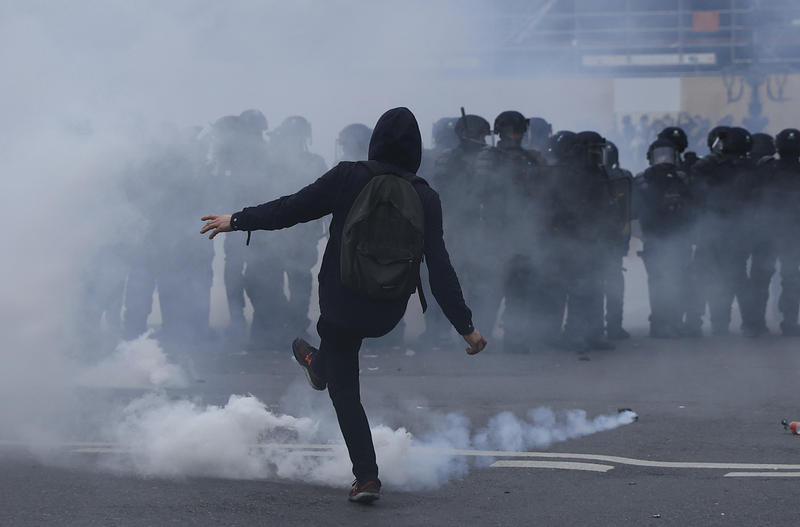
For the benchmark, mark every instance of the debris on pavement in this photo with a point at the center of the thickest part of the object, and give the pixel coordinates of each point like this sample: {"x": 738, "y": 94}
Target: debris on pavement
{"x": 793, "y": 426}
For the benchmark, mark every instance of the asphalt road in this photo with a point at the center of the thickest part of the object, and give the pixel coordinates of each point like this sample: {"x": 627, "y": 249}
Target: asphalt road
{"x": 708, "y": 448}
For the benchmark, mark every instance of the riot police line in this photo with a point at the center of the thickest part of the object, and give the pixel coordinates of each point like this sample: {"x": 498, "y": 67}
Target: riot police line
{"x": 537, "y": 223}
{"x": 557, "y": 221}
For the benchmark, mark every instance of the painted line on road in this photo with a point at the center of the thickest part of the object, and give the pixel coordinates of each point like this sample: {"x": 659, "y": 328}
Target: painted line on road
{"x": 762, "y": 475}
{"x": 325, "y": 449}
{"x": 623, "y": 460}
{"x": 565, "y": 465}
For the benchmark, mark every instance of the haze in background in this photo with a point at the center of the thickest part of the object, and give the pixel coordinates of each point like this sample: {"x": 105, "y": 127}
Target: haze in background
{"x": 87, "y": 89}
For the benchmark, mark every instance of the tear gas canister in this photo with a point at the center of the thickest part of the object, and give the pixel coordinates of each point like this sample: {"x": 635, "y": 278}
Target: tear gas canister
{"x": 793, "y": 426}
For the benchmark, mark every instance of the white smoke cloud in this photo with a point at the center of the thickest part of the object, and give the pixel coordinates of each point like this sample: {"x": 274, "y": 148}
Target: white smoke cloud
{"x": 543, "y": 428}
{"x": 91, "y": 82}
{"x": 183, "y": 438}
{"x": 244, "y": 439}
{"x": 138, "y": 363}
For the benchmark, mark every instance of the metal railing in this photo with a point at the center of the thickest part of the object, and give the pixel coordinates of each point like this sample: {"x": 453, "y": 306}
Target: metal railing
{"x": 737, "y": 32}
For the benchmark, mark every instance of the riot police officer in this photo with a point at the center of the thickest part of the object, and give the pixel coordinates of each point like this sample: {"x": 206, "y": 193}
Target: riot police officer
{"x": 663, "y": 205}
{"x": 444, "y": 138}
{"x": 780, "y": 196}
{"x": 757, "y": 235}
{"x": 179, "y": 268}
{"x": 454, "y": 179}
{"x": 454, "y": 171}
{"x": 613, "y": 277}
{"x": 677, "y": 136}
{"x": 506, "y": 175}
{"x": 353, "y": 142}
{"x": 550, "y": 296}
{"x": 239, "y": 160}
{"x": 720, "y": 180}
{"x": 538, "y": 135}
{"x": 586, "y": 221}
{"x": 290, "y": 163}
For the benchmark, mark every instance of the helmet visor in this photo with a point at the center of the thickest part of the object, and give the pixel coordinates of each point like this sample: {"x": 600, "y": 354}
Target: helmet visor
{"x": 664, "y": 154}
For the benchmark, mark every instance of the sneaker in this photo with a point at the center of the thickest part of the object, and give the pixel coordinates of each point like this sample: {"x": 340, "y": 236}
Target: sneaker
{"x": 366, "y": 492}
{"x": 304, "y": 355}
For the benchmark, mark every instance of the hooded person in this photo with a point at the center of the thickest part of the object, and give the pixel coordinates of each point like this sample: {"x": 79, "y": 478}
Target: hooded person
{"x": 347, "y": 316}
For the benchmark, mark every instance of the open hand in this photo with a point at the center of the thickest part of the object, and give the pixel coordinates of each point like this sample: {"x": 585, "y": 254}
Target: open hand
{"x": 218, "y": 222}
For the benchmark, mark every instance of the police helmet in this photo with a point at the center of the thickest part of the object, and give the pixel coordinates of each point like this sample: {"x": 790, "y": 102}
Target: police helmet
{"x": 739, "y": 141}
{"x": 763, "y": 146}
{"x": 510, "y": 122}
{"x": 472, "y": 128}
{"x": 663, "y": 151}
{"x": 588, "y": 147}
{"x": 226, "y": 124}
{"x": 611, "y": 155}
{"x": 295, "y": 126}
{"x": 444, "y": 135}
{"x": 787, "y": 142}
{"x": 676, "y": 135}
{"x": 560, "y": 144}
{"x": 354, "y": 140}
{"x": 253, "y": 121}
{"x": 716, "y": 136}
{"x": 539, "y": 132}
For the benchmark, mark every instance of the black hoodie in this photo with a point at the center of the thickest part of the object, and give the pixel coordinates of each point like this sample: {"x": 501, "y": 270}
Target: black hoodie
{"x": 397, "y": 144}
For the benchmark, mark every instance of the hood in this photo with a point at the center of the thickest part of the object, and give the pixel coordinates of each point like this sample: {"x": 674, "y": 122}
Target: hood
{"x": 396, "y": 140}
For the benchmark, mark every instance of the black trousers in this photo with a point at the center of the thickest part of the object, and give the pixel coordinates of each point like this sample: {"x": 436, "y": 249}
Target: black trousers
{"x": 723, "y": 275}
{"x": 665, "y": 262}
{"x": 789, "y": 301}
{"x": 585, "y": 293}
{"x": 755, "y": 290}
{"x": 339, "y": 356}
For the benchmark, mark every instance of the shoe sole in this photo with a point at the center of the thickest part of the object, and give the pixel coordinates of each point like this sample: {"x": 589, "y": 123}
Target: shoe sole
{"x": 364, "y": 497}
{"x": 299, "y": 360}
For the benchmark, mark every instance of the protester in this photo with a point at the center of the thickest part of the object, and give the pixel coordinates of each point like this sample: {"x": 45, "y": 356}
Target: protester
{"x": 348, "y": 316}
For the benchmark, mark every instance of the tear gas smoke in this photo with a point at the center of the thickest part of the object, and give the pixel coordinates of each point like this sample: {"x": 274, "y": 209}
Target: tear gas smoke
{"x": 139, "y": 363}
{"x": 243, "y": 438}
{"x": 91, "y": 82}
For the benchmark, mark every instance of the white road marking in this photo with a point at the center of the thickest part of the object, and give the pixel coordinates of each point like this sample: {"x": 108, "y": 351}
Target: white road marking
{"x": 762, "y": 475}
{"x": 328, "y": 449}
{"x": 625, "y": 460}
{"x": 566, "y": 465}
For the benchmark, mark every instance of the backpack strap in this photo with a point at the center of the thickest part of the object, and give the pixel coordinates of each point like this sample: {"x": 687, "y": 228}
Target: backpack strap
{"x": 377, "y": 168}
{"x": 422, "y": 301}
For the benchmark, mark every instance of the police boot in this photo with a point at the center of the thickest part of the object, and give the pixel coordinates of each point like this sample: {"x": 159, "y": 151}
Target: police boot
{"x": 617, "y": 333}
{"x": 599, "y": 342}
{"x": 663, "y": 331}
{"x": 691, "y": 330}
{"x": 790, "y": 330}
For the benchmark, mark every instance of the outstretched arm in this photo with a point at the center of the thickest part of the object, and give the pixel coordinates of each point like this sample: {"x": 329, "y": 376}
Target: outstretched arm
{"x": 309, "y": 203}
